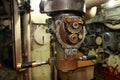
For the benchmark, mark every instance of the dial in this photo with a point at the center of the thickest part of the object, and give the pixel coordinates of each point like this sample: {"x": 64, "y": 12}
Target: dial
{"x": 98, "y": 40}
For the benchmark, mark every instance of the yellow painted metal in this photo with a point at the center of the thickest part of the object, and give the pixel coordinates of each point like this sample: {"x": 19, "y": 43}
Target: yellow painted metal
{"x": 41, "y": 52}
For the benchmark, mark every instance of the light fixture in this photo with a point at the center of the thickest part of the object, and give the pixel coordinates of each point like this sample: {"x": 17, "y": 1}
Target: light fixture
{"x": 111, "y": 3}
{"x": 35, "y": 5}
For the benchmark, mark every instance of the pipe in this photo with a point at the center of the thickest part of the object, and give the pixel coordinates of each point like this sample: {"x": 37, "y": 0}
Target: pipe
{"x": 92, "y": 3}
{"x": 91, "y": 9}
{"x": 115, "y": 27}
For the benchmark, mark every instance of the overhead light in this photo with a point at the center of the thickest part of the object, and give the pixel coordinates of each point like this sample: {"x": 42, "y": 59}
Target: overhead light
{"x": 35, "y": 5}
{"x": 111, "y": 3}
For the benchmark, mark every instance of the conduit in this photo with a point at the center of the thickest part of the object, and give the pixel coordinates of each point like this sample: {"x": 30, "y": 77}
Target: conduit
{"x": 90, "y": 6}
{"x": 115, "y": 27}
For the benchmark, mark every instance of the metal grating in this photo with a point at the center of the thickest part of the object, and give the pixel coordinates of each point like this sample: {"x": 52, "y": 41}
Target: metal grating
{"x": 3, "y": 74}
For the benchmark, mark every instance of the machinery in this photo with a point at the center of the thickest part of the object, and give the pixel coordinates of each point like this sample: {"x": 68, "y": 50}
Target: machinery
{"x": 101, "y": 38}
{"x": 104, "y": 42}
{"x": 68, "y": 29}
{"x": 67, "y": 26}
{"x": 70, "y": 34}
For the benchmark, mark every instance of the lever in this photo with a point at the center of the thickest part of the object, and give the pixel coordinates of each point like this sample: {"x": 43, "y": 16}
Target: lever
{"x": 90, "y": 57}
{"x": 31, "y": 64}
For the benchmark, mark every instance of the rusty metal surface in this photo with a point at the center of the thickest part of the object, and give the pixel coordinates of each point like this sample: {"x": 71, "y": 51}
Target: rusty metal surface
{"x": 63, "y": 61}
{"x": 69, "y": 63}
{"x": 73, "y": 38}
{"x": 68, "y": 28}
{"x": 70, "y": 31}
{"x": 74, "y": 24}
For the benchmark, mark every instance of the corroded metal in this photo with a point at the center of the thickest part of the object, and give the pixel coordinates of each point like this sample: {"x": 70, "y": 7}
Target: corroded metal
{"x": 68, "y": 33}
{"x": 73, "y": 24}
{"x": 73, "y": 38}
{"x": 65, "y": 62}
{"x": 67, "y": 26}
{"x": 70, "y": 63}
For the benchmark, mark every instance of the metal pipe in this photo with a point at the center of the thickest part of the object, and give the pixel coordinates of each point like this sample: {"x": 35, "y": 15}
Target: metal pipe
{"x": 115, "y": 27}
{"x": 27, "y": 45}
{"x": 89, "y": 6}
{"x": 31, "y": 64}
{"x": 92, "y": 3}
